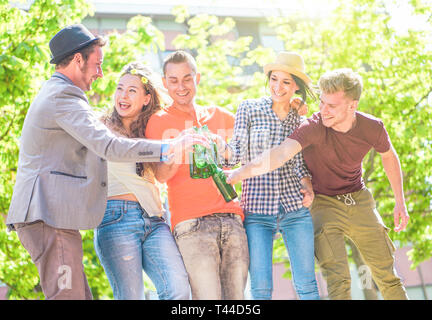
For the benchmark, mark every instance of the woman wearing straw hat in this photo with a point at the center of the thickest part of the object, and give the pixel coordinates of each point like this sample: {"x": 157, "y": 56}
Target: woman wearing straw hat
{"x": 277, "y": 201}
{"x": 133, "y": 234}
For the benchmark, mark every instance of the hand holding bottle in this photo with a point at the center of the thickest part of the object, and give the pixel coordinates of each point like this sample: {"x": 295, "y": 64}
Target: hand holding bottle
{"x": 204, "y": 163}
{"x": 234, "y": 175}
{"x": 185, "y": 143}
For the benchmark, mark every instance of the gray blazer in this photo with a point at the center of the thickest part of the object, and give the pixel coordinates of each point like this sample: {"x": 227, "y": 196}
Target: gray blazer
{"x": 62, "y": 170}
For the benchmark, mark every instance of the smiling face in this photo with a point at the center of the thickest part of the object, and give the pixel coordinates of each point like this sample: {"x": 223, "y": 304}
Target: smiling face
{"x": 130, "y": 97}
{"x": 337, "y": 110}
{"x": 282, "y": 87}
{"x": 180, "y": 80}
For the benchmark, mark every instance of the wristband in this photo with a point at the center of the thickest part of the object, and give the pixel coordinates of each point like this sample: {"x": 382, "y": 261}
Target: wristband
{"x": 164, "y": 150}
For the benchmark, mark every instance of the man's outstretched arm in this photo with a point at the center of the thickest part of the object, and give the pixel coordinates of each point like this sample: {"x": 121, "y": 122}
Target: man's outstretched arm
{"x": 393, "y": 171}
{"x": 268, "y": 161}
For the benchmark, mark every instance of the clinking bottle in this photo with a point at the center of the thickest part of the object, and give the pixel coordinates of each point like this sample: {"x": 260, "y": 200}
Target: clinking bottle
{"x": 203, "y": 164}
{"x": 219, "y": 178}
{"x": 198, "y": 166}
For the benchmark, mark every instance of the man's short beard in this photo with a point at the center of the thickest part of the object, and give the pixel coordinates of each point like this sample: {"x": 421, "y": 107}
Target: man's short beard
{"x": 83, "y": 70}
{"x": 84, "y": 67}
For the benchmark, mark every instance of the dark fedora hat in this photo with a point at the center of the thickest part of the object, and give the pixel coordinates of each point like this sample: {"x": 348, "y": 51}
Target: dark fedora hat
{"x": 69, "y": 40}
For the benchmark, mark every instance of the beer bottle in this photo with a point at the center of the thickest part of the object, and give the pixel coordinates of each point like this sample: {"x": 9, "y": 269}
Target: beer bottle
{"x": 197, "y": 161}
{"x": 195, "y": 171}
{"x": 198, "y": 164}
{"x": 219, "y": 178}
{"x": 204, "y": 163}
{"x": 200, "y": 151}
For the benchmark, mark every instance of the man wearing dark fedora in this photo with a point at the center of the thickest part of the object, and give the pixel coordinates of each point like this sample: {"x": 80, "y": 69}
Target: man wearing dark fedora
{"x": 62, "y": 173}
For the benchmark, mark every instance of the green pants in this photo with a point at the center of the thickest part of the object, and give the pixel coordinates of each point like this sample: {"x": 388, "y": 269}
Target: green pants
{"x": 354, "y": 216}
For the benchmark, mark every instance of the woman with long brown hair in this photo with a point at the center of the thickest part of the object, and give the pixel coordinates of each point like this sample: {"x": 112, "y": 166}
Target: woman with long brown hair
{"x": 133, "y": 235}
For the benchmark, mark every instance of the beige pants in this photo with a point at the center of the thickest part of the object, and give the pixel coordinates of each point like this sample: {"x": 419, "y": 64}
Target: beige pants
{"x": 57, "y": 254}
{"x": 355, "y": 216}
{"x": 215, "y": 252}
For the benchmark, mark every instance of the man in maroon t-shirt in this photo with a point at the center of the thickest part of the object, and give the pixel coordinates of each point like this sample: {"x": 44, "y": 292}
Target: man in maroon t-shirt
{"x": 334, "y": 142}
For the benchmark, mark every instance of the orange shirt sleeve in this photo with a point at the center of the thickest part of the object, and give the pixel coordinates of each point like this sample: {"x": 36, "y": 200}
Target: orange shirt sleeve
{"x": 153, "y": 129}
{"x": 229, "y": 119}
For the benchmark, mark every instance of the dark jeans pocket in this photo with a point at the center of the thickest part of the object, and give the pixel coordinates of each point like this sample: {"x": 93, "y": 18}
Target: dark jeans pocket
{"x": 323, "y": 249}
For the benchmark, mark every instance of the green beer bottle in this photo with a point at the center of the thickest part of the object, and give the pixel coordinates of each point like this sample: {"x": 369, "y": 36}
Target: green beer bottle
{"x": 219, "y": 178}
{"x": 195, "y": 171}
{"x": 198, "y": 165}
{"x": 200, "y": 151}
{"x": 204, "y": 163}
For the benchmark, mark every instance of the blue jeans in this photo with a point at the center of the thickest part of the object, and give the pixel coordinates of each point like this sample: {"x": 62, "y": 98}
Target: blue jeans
{"x": 128, "y": 241}
{"x": 298, "y": 234}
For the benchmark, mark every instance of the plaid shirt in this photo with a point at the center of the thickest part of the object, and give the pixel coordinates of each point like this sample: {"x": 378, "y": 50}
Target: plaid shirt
{"x": 256, "y": 129}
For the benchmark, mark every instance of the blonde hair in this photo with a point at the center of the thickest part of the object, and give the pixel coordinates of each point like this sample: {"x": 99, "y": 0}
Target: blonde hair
{"x": 344, "y": 80}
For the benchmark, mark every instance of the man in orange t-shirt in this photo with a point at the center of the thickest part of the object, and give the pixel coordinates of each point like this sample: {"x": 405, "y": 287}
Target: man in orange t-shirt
{"x": 209, "y": 231}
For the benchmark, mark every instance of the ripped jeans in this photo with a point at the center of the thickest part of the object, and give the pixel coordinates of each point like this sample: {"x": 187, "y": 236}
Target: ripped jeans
{"x": 127, "y": 242}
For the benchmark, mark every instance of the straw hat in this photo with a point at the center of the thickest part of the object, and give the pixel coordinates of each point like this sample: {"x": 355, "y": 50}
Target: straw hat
{"x": 289, "y": 62}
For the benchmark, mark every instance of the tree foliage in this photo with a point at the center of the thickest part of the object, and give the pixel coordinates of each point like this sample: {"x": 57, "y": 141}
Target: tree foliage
{"x": 396, "y": 70}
